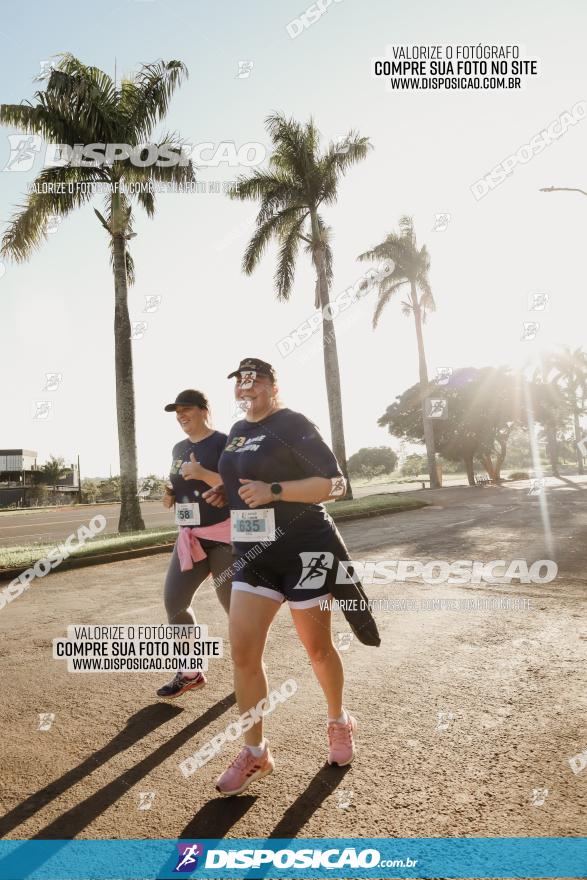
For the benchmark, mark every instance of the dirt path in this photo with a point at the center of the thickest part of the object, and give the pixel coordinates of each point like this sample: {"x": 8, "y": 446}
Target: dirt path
{"x": 513, "y": 680}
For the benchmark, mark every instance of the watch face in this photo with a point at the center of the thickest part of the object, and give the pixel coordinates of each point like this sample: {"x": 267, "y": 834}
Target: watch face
{"x": 276, "y": 489}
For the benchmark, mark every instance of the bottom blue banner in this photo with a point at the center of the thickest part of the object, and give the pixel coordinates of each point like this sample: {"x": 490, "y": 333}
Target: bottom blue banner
{"x": 375, "y": 857}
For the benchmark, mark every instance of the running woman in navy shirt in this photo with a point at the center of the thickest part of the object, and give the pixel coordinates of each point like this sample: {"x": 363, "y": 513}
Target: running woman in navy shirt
{"x": 203, "y": 544}
{"x": 276, "y": 470}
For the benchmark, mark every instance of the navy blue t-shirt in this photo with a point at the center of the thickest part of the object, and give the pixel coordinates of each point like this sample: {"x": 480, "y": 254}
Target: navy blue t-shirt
{"x": 284, "y": 446}
{"x": 207, "y": 452}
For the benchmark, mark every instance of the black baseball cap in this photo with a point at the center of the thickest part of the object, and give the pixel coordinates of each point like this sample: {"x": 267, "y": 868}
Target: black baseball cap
{"x": 261, "y": 367}
{"x": 189, "y": 397}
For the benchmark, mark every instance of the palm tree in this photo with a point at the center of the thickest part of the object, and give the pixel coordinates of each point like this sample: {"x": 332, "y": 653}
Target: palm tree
{"x": 81, "y": 105}
{"x": 300, "y": 179}
{"x": 551, "y": 409}
{"x": 53, "y": 470}
{"x": 412, "y": 265}
{"x": 568, "y": 370}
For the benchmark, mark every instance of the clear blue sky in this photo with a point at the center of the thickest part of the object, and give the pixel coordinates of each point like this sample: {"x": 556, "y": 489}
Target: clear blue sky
{"x": 56, "y": 311}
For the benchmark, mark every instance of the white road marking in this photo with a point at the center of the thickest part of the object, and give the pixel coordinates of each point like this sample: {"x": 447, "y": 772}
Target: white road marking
{"x": 67, "y": 522}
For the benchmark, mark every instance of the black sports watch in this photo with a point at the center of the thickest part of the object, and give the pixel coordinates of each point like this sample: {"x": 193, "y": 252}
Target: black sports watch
{"x": 276, "y": 489}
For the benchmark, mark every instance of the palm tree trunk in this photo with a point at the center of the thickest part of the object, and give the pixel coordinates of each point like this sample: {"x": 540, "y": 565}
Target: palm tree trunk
{"x": 494, "y": 470}
{"x": 423, "y": 369}
{"x": 550, "y": 431}
{"x": 130, "y": 510}
{"x": 468, "y": 460}
{"x": 577, "y": 431}
{"x": 331, "y": 369}
{"x": 487, "y": 464}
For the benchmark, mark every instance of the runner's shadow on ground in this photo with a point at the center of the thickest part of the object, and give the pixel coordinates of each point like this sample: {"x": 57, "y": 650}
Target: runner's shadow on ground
{"x": 324, "y": 783}
{"x": 71, "y": 823}
{"x": 215, "y": 819}
{"x": 68, "y": 825}
{"x": 139, "y": 725}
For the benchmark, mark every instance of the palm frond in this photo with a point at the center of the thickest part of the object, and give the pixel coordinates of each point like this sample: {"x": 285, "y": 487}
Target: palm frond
{"x": 427, "y": 298}
{"x": 256, "y": 246}
{"x": 337, "y": 161}
{"x": 147, "y": 201}
{"x": 410, "y": 265}
{"x": 385, "y": 293}
{"x": 274, "y": 191}
{"x": 102, "y": 220}
{"x": 130, "y": 268}
{"x": 27, "y": 230}
{"x": 285, "y": 271}
{"x": 294, "y": 145}
{"x": 88, "y": 96}
{"x": 144, "y": 102}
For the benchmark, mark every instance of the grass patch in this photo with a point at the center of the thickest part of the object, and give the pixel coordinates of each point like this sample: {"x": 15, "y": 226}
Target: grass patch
{"x": 372, "y": 504}
{"x": 24, "y": 556}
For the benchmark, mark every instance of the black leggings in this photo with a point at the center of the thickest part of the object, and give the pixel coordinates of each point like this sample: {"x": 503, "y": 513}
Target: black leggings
{"x": 180, "y": 586}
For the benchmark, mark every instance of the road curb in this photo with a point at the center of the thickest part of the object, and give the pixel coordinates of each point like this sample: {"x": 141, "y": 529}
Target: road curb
{"x": 8, "y": 574}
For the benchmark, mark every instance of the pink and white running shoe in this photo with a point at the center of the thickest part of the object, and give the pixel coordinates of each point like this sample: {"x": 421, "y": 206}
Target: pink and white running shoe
{"x": 245, "y": 769}
{"x": 341, "y": 742}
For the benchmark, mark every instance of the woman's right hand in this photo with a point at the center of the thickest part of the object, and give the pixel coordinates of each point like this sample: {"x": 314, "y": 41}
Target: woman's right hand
{"x": 168, "y": 500}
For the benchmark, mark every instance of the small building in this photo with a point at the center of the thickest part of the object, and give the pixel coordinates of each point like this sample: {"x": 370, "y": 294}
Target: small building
{"x": 17, "y": 467}
{"x": 20, "y": 473}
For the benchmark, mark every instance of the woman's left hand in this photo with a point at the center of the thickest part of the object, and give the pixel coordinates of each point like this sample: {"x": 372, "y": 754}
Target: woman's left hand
{"x": 255, "y": 493}
{"x": 216, "y": 496}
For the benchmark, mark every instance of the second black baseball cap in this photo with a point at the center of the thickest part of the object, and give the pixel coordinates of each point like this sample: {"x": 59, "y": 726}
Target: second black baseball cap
{"x": 189, "y": 397}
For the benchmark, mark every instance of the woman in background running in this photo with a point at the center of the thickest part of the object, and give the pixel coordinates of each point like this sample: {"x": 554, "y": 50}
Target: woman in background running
{"x": 203, "y": 544}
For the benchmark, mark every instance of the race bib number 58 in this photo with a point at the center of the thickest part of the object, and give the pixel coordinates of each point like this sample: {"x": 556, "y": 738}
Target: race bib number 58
{"x": 187, "y": 514}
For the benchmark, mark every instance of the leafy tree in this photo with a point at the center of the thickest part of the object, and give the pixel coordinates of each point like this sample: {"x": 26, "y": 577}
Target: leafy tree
{"x": 551, "y": 409}
{"x": 450, "y": 467}
{"x": 412, "y": 265}
{"x": 90, "y": 490}
{"x": 38, "y": 496}
{"x": 568, "y": 370}
{"x": 519, "y": 453}
{"x": 482, "y": 407}
{"x": 52, "y": 470}
{"x": 414, "y": 465}
{"x": 382, "y": 458}
{"x": 300, "y": 181}
{"x": 81, "y": 105}
{"x": 109, "y": 490}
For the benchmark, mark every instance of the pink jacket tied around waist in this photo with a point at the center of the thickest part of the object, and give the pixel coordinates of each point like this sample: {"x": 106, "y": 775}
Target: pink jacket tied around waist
{"x": 188, "y": 544}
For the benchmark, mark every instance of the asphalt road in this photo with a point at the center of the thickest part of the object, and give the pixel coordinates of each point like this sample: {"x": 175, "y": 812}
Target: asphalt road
{"x": 46, "y": 526}
{"x": 513, "y": 682}
{"x": 42, "y": 526}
